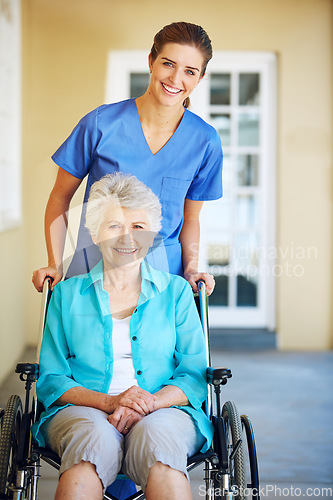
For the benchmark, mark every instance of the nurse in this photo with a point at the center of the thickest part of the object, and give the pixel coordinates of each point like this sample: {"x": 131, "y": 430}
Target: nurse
{"x": 157, "y": 139}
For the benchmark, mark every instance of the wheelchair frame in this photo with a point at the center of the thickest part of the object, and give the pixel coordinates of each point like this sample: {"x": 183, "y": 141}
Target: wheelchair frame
{"x": 229, "y": 464}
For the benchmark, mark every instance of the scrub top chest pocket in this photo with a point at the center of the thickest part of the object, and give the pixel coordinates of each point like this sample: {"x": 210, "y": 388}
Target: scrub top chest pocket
{"x": 172, "y": 196}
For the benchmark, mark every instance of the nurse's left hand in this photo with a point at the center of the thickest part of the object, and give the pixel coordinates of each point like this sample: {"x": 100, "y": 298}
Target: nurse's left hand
{"x": 194, "y": 278}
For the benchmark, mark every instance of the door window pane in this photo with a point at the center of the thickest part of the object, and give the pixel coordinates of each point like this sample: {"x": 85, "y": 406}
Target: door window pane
{"x": 249, "y": 89}
{"x": 246, "y": 263}
{"x": 248, "y": 129}
{"x": 222, "y": 123}
{"x": 247, "y": 211}
{"x": 138, "y": 84}
{"x": 221, "y": 292}
{"x": 247, "y": 170}
{"x": 220, "y": 89}
{"x": 246, "y": 292}
{"x": 218, "y": 256}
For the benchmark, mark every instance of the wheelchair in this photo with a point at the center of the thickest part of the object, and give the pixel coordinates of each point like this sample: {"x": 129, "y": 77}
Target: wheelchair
{"x": 230, "y": 466}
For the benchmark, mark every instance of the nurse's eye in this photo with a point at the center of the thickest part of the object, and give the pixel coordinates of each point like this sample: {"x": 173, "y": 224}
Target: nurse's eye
{"x": 167, "y": 63}
{"x": 190, "y": 72}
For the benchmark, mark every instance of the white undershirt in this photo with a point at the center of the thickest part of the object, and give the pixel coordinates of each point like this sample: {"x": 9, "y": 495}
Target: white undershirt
{"x": 123, "y": 375}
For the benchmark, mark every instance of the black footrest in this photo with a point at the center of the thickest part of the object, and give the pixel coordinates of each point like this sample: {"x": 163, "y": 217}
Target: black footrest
{"x": 218, "y": 376}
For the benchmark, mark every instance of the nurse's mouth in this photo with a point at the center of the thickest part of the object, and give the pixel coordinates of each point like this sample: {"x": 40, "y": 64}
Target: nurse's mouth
{"x": 171, "y": 90}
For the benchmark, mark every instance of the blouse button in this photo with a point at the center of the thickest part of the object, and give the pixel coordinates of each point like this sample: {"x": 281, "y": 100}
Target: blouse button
{"x": 139, "y": 372}
{"x": 134, "y": 338}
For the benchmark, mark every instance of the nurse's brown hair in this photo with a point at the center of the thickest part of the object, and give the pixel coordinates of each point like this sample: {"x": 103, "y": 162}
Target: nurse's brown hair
{"x": 184, "y": 34}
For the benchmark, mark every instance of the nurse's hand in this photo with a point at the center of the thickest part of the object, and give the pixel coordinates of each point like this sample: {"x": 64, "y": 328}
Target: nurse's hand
{"x": 194, "y": 278}
{"x": 39, "y": 276}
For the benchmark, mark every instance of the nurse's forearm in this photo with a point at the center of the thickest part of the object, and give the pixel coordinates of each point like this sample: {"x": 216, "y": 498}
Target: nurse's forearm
{"x": 55, "y": 224}
{"x": 189, "y": 239}
{"x": 56, "y": 216}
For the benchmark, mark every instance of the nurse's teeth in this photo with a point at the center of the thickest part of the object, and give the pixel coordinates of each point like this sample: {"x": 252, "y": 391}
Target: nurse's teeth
{"x": 170, "y": 89}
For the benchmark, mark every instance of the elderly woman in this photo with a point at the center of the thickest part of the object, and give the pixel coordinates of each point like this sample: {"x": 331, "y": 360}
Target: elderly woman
{"x": 122, "y": 362}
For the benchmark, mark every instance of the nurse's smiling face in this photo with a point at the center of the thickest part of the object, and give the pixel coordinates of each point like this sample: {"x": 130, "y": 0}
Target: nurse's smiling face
{"x": 124, "y": 236}
{"x": 175, "y": 73}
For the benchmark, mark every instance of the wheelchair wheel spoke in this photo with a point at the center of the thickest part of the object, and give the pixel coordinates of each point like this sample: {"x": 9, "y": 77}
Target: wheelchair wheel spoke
{"x": 234, "y": 442}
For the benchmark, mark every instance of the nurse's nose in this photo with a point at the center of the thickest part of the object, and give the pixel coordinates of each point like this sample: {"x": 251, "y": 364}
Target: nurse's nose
{"x": 175, "y": 77}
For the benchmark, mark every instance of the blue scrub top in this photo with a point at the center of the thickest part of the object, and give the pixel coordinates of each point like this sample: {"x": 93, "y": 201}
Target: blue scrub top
{"x": 111, "y": 139}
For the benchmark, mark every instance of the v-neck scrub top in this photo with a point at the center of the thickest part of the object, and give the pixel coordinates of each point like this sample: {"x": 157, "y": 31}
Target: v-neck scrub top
{"x": 189, "y": 165}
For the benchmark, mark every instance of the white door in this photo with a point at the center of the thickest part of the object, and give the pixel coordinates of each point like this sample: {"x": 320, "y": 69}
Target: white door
{"x": 238, "y": 97}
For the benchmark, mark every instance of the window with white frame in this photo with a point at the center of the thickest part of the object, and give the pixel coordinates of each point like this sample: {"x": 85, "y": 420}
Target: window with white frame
{"x": 238, "y": 97}
{"x": 10, "y": 110}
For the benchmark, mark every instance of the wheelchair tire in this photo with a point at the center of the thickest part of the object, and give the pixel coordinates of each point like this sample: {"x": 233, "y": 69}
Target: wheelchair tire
{"x": 233, "y": 431}
{"x": 250, "y": 458}
{"x": 10, "y": 431}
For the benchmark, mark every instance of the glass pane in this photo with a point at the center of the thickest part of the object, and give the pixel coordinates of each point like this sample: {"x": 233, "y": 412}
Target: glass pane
{"x": 220, "y": 89}
{"x": 249, "y": 89}
{"x": 216, "y": 215}
{"x": 139, "y": 84}
{"x": 227, "y": 173}
{"x": 221, "y": 292}
{"x": 222, "y": 124}
{"x": 247, "y": 211}
{"x": 248, "y": 129}
{"x": 247, "y": 170}
{"x": 218, "y": 256}
{"x": 246, "y": 292}
{"x": 246, "y": 262}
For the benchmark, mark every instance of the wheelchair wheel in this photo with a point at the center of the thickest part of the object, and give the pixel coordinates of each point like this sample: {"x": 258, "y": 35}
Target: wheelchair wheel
{"x": 250, "y": 458}
{"x": 233, "y": 431}
{"x": 11, "y": 424}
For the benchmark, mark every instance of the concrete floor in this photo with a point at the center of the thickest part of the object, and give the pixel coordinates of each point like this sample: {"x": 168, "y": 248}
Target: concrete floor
{"x": 288, "y": 396}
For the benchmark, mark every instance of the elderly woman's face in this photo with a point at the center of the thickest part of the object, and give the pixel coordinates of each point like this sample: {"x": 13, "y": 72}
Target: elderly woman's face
{"x": 124, "y": 236}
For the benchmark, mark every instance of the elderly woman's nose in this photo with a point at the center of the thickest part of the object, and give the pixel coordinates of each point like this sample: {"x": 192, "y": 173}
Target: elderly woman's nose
{"x": 127, "y": 235}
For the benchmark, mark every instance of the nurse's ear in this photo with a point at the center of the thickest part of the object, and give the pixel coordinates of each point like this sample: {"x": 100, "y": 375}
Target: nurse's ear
{"x": 150, "y": 63}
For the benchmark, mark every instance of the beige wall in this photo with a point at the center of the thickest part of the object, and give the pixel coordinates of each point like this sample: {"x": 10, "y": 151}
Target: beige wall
{"x": 12, "y": 299}
{"x": 65, "y": 47}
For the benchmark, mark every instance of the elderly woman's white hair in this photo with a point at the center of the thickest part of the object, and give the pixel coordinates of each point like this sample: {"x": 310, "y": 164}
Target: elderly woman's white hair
{"x": 122, "y": 190}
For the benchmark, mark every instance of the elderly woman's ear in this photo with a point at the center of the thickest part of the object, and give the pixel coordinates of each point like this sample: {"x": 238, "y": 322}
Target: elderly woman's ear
{"x": 95, "y": 240}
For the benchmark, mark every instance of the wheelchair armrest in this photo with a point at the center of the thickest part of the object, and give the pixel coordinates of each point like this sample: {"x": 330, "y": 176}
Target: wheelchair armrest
{"x": 28, "y": 369}
{"x": 218, "y": 376}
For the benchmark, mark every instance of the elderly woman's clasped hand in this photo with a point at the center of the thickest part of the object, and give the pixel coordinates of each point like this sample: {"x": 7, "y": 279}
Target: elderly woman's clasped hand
{"x": 129, "y": 407}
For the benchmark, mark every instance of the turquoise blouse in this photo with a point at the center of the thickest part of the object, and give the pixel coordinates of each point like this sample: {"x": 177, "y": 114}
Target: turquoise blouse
{"x": 167, "y": 342}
